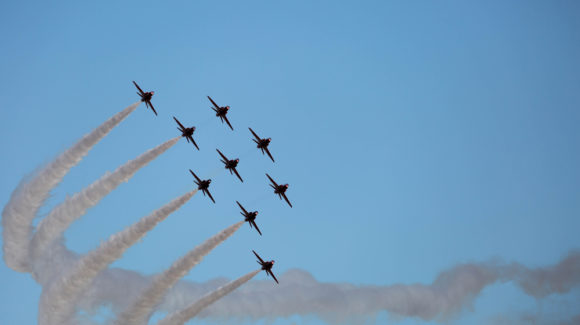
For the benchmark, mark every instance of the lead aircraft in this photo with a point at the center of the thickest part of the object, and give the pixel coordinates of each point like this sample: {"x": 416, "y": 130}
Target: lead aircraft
{"x": 145, "y": 97}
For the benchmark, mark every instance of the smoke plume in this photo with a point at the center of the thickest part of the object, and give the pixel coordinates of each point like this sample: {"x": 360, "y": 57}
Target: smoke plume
{"x": 63, "y": 215}
{"x": 27, "y": 199}
{"x": 183, "y": 315}
{"x": 59, "y": 300}
{"x": 140, "y": 311}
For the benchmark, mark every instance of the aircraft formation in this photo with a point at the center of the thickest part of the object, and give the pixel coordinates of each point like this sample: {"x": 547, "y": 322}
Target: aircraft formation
{"x": 229, "y": 164}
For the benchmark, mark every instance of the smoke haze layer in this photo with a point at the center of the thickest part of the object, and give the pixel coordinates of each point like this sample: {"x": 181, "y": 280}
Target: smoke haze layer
{"x": 452, "y": 290}
{"x": 299, "y": 293}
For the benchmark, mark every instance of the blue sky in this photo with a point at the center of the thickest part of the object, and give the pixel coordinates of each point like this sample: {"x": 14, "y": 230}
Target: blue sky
{"x": 414, "y": 135}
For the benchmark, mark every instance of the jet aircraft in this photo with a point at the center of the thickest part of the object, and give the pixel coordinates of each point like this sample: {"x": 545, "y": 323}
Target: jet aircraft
{"x": 221, "y": 112}
{"x": 145, "y": 97}
{"x": 187, "y": 133}
{"x": 279, "y": 189}
{"x": 262, "y": 143}
{"x": 230, "y": 164}
{"x": 250, "y": 217}
{"x": 266, "y": 266}
{"x": 202, "y": 185}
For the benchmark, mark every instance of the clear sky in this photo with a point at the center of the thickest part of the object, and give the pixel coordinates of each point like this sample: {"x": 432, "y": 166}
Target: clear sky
{"x": 415, "y": 135}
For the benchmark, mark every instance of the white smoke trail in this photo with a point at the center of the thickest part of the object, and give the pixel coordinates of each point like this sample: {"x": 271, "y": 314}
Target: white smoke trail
{"x": 26, "y": 200}
{"x": 182, "y": 316}
{"x": 59, "y": 300}
{"x": 140, "y": 311}
{"x": 63, "y": 215}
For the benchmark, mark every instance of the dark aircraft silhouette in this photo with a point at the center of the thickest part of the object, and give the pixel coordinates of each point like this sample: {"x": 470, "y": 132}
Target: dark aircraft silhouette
{"x": 187, "y": 133}
{"x": 266, "y": 266}
{"x": 145, "y": 97}
{"x": 250, "y": 217}
{"x": 202, "y": 185}
{"x": 221, "y": 112}
{"x": 262, "y": 143}
{"x": 279, "y": 189}
{"x": 230, "y": 164}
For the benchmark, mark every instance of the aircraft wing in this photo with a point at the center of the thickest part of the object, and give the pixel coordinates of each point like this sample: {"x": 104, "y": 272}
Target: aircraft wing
{"x": 241, "y": 207}
{"x": 285, "y": 198}
{"x": 221, "y": 154}
{"x": 214, "y": 104}
{"x": 195, "y": 144}
{"x": 255, "y": 225}
{"x": 240, "y": 177}
{"x": 273, "y": 276}
{"x": 271, "y": 180}
{"x": 152, "y": 108}
{"x": 258, "y": 256}
{"x": 269, "y": 154}
{"x": 181, "y": 125}
{"x": 227, "y": 121}
{"x": 254, "y": 133}
{"x": 194, "y": 175}
{"x": 140, "y": 90}
{"x": 211, "y": 197}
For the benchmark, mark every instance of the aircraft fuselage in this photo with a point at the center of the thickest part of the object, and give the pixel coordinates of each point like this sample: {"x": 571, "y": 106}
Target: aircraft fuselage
{"x": 263, "y": 143}
{"x": 251, "y": 216}
{"x": 268, "y": 265}
{"x": 204, "y": 185}
{"x": 222, "y": 111}
{"x": 281, "y": 189}
{"x": 232, "y": 163}
{"x": 188, "y": 132}
{"x": 146, "y": 96}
